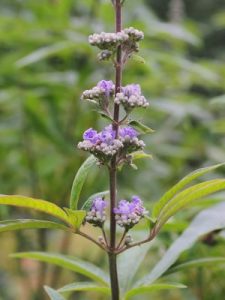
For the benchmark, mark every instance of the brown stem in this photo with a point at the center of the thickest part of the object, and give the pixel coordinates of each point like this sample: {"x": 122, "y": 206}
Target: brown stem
{"x": 113, "y": 167}
{"x": 105, "y": 237}
{"x": 150, "y": 238}
{"x": 91, "y": 239}
{"x": 122, "y": 238}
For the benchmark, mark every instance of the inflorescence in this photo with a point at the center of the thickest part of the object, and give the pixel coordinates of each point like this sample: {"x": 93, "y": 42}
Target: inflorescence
{"x": 127, "y": 214}
{"x": 130, "y": 96}
{"x": 104, "y": 144}
{"x": 120, "y": 141}
{"x": 128, "y": 39}
{"x": 130, "y": 213}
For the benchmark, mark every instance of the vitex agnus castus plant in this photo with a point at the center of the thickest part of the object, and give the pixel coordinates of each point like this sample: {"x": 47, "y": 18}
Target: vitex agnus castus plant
{"x": 114, "y": 147}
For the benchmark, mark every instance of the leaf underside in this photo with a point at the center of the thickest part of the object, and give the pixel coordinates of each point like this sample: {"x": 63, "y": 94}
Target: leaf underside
{"x": 67, "y": 262}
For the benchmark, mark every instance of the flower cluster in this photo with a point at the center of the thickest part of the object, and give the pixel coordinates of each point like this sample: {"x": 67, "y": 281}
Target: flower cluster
{"x": 101, "y": 92}
{"x": 131, "y": 97}
{"x": 108, "y": 42}
{"x": 97, "y": 213}
{"x": 104, "y": 88}
{"x": 104, "y": 145}
{"x": 129, "y": 213}
{"x": 134, "y": 34}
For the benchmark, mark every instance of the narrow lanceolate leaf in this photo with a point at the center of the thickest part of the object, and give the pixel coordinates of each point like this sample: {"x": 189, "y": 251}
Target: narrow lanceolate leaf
{"x": 74, "y": 264}
{"x": 88, "y": 203}
{"x": 53, "y": 294}
{"x": 195, "y": 263}
{"x": 152, "y": 288}
{"x": 187, "y": 197}
{"x": 205, "y": 222}
{"x": 19, "y": 224}
{"x": 84, "y": 286}
{"x": 43, "y": 53}
{"x": 179, "y": 186}
{"x": 135, "y": 256}
{"x": 79, "y": 181}
{"x": 141, "y": 127}
{"x": 37, "y": 204}
{"x": 75, "y": 217}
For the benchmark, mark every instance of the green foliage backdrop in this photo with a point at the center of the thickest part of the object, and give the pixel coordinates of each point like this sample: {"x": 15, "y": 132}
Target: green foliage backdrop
{"x": 45, "y": 65}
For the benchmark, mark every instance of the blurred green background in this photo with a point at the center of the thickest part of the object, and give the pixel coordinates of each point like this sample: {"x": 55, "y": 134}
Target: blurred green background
{"x": 46, "y": 63}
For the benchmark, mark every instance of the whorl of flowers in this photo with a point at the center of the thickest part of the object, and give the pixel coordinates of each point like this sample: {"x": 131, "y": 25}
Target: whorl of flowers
{"x": 97, "y": 213}
{"x": 108, "y": 42}
{"x": 104, "y": 144}
{"x": 130, "y": 95}
{"x": 129, "y": 213}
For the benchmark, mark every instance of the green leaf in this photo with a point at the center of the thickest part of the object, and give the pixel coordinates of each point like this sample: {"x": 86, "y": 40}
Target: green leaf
{"x": 152, "y": 288}
{"x": 135, "y": 256}
{"x": 75, "y": 217}
{"x": 205, "y": 222}
{"x": 84, "y": 286}
{"x": 53, "y": 294}
{"x": 138, "y": 59}
{"x": 88, "y": 203}
{"x": 133, "y": 166}
{"x": 37, "y": 204}
{"x": 201, "y": 262}
{"x": 218, "y": 101}
{"x": 140, "y": 154}
{"x": 188, "y": 196}
{"x": 179, "y": 186}
{"x": 74, "y": 264}
{"x": 105, "y": 116}
{"x": 79, "y": 181}
{"x": 19, "y": 224}
{"x": 141, "y": 127}
{"x": 217, "y": 126}
{"x": 43, "y": 53}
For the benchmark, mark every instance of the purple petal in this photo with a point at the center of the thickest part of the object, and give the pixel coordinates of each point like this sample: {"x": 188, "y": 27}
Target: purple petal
{"x": 106, "y": 86}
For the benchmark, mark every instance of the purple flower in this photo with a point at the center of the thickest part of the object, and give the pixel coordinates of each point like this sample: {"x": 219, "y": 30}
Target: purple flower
{"x": 138, "y": 205}
{"x": 131, "y": 89}
{"x": 128, "y": 132}
{"x": 99, "y": 206}
{"x": 124, "y": 208}
{"x": 107, "y": 135}
{"x": 91, "y": 135}
{"x": 107, "y": 86}
{"x": 97, "y": 214}
{"x": 129, "y": 213}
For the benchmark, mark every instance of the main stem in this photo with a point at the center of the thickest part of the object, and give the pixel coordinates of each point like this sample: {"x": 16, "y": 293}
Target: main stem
{"x": 112, "y": 171}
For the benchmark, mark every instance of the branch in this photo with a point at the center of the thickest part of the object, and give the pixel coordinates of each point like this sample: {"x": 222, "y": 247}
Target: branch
{"x": 92, "y": 240}
{"x": 149, "y": 239}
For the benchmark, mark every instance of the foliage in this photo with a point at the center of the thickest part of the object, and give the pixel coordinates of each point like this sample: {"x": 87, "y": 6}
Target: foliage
{"x": 46, "y": 64}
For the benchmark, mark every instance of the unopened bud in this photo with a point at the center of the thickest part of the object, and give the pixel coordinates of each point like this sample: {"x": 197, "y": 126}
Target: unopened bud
{"x": 104, "y": 55}
{"x": 101, "y": 240}
{"x": 128, "y": 239}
